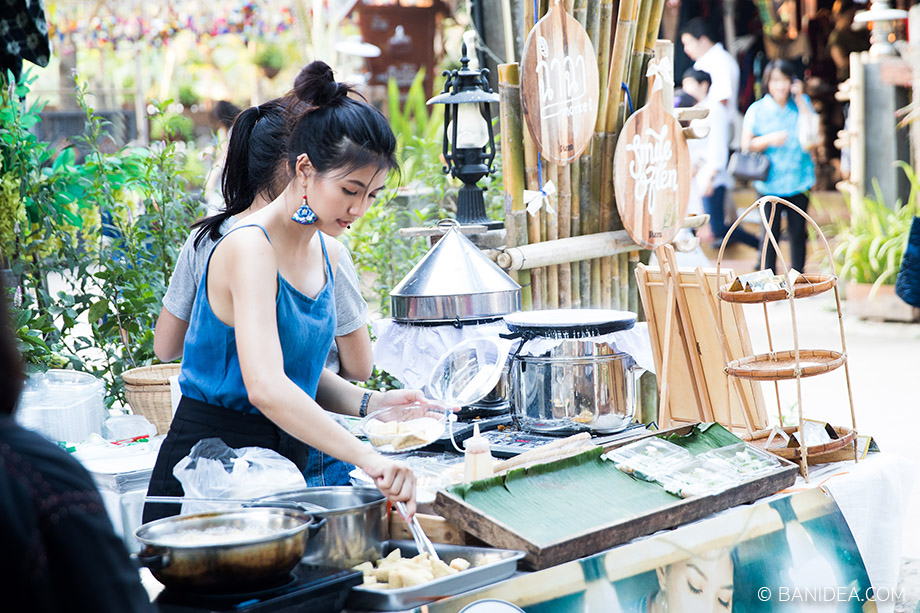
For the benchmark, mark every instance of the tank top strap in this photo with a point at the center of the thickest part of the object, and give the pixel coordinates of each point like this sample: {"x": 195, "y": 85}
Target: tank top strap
{"x": 322, "y": 242}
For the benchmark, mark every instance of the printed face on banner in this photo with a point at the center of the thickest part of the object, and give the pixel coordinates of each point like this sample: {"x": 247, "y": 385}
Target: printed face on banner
{"x": 559, "y": 86}
{"x": 794, "y": 553}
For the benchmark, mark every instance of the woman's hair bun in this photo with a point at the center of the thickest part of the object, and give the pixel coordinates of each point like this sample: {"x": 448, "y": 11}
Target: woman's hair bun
{"x": 316, "y": 85}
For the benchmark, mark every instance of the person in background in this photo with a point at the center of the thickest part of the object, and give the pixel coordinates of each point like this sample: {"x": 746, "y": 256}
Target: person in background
{"x": 709, "y": 156}
{"x": 254, "y": 174}
{"x": 710, "y": 56}
{"x": 843, "y": 39}
{"x": 60, "y": 552}
{"x": 222, "y": 115}
{"x": 781, "y": 125}
{"x": 263, "y": 319}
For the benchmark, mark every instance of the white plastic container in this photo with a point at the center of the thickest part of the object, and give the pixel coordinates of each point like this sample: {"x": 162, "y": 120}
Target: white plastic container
{"x": 63, "y": 405}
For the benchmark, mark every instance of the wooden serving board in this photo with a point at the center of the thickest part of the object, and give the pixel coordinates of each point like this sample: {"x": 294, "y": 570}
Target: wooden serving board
{"x": 652, "y": 174}
{"x": 581, "y": 541}
{"x": 559, "y": 86}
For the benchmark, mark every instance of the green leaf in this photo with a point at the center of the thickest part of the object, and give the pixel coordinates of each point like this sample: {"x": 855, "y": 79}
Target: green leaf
{"x": 97, "y": 311}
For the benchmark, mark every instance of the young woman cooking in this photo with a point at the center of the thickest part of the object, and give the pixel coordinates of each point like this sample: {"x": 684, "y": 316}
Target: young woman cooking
{"x": 254, "y": 173}
{"x": 263, "y": 318}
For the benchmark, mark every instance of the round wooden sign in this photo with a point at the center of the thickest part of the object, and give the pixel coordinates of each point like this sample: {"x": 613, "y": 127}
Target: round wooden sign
{"x": 652, "y": 174}
{"x": 559, "y": 86}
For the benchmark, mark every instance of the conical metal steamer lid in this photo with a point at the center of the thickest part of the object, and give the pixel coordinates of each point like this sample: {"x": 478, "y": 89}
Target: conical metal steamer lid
{"x": 454, "y": 282}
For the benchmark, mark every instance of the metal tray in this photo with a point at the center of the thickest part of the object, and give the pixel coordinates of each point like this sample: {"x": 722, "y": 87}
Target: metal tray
{"x": 400, "y": 599}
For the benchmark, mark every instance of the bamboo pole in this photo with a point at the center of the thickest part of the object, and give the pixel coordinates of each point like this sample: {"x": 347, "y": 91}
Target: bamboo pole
{"x": 578, "y": 248}
{"x": 601, "y": 275}
{"x": 551, "y": 173}
{"x": 533, "y": 221}
{"x": 614, "y": 279}
{"x": 625, "y": 33}
{"x": 512, "y": 147}
{"x": 633, "y": 302}
{"x": 636, "y": 74}
{"x": 624, "y": 271}
{"x": 587, "y": 205}
{"x": 564, "y": 230}
{"x": 626, "y": 23}
{"x": 575, "y": 230}
{"x": 654, "y": 24}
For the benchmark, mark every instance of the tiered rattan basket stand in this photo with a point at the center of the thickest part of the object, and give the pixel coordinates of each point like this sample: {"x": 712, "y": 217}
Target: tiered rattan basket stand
{"x": 796, "y": 363}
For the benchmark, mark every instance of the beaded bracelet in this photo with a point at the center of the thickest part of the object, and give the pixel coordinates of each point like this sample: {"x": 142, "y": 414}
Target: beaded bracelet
{"x": 362, "y": 412}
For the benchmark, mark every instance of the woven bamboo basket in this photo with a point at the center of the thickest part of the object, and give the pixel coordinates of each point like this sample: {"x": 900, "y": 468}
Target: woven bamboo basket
{"x": 147, "y": 392}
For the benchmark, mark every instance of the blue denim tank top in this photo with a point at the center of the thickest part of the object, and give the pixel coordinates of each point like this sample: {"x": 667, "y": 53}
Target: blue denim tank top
{"x": 306, "y": 327}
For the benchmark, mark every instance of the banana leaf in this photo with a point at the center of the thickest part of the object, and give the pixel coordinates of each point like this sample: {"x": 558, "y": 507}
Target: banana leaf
{"x": 550, "y": 502}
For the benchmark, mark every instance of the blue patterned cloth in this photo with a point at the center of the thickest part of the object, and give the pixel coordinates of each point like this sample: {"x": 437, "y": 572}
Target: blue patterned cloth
{"x": 791, "y": 169}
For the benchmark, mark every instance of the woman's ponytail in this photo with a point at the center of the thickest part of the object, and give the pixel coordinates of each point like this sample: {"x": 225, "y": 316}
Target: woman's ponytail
{"x": 255, "y": 156}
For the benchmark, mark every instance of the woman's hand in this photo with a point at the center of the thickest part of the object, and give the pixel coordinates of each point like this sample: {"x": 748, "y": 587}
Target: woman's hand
{"x": 395, "y": 480}
{"x": 797, "y": 91}
{"x": 394, "y": 398}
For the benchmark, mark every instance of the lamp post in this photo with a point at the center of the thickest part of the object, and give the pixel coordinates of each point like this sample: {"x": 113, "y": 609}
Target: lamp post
{"x": 882, "y": 18}
{"x": 469, "y": 143}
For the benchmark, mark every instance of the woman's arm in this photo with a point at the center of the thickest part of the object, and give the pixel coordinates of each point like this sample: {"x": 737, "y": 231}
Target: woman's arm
{"x": 353, "y": 343}
{"x": 759, "y": 144}
{"x": 356, "y": 357}
{"x": 242, "y": 291}
{"x": 169, "y": 336}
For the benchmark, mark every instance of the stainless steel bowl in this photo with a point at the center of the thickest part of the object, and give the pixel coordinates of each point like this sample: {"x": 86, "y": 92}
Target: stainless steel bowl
{"x": 189, "y": 553}
{"x": 356, "y": 524}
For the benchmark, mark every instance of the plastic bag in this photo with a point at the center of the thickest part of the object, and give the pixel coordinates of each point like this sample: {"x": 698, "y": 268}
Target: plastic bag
{"x": 214, "y": 470}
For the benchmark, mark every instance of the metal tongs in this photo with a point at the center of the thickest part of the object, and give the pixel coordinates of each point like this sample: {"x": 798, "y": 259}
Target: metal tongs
{"x": 306, "y": 507}
{"x": 422, "y": 542}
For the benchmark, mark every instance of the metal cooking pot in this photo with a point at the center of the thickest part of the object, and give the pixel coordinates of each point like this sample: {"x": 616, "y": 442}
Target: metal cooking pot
{"x": 565, "y": 395}
{"x": 245, "y": 563}
{"x": 356, "y": 524}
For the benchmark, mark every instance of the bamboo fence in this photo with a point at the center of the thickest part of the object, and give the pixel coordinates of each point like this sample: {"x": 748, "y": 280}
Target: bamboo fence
{"x": 584, "y": 203}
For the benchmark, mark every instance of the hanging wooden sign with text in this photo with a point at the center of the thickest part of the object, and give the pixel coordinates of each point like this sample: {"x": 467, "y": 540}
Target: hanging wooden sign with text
{"x": 652, "y": 172}
{"x": 559, "y": 86}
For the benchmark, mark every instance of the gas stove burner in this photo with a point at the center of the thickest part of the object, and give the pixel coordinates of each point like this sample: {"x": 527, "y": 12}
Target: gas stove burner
{"x": 484, "y": 409}
{"x": 275, "y": 588}
{"x": 307, "y": 588}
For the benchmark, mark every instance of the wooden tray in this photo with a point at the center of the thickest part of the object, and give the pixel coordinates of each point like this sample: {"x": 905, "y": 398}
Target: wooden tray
{"x": 817, "y": 454}
{"x": 604, "y": 535}
{"x": 781, "y": 364}
{"x": 804, "y": 286}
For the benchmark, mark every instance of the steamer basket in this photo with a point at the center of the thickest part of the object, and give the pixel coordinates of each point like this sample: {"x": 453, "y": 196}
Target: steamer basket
{"x": 147, "y": 392}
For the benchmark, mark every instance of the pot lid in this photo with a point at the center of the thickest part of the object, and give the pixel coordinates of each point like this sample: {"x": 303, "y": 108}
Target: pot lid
{"x": 454, "y": 281}
{"x": 569, "y": 323}
{"x": 468, "y": 372}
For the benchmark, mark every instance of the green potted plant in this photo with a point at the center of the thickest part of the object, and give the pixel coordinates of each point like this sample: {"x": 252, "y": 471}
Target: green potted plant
{"x": 270, "y": 59}
{"x": 868, "y": 252}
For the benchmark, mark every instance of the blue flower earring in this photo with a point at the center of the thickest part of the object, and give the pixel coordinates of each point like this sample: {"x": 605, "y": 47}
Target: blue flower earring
{"x": 304, "y": 215}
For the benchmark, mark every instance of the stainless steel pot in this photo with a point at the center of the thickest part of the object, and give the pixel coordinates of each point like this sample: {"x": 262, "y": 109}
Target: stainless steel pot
{"x": 271, "y": 542}
{"x": 564, "y": 395}
{"x": 356, "y": 524}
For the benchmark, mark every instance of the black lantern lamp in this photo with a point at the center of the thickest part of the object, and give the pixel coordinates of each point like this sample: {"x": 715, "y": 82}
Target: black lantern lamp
{"x": 469, "y": 143}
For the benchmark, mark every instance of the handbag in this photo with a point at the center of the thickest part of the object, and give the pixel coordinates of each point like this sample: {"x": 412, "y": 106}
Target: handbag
{"x": 907, "y": 285}
{"x": 748, "y": 166}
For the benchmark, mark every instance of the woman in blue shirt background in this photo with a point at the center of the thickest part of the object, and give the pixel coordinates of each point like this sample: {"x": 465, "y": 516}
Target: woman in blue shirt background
{"x": 781, "y": 125}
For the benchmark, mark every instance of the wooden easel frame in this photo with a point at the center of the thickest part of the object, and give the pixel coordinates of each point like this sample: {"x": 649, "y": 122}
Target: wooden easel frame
{"x": 690, "y": 351}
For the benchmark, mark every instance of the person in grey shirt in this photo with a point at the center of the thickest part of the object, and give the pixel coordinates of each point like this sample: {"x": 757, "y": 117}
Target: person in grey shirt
{"x": 252, "y": 177}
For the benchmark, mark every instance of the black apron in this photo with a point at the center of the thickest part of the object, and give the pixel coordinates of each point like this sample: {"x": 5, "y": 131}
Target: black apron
{"x": 196, "y": 420}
